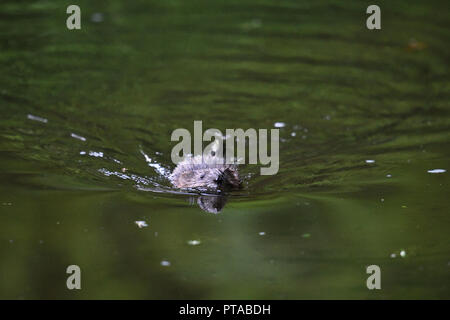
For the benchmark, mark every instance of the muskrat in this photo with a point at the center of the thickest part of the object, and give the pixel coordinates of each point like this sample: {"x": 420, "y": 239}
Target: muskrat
{"x": 205, "y": 172}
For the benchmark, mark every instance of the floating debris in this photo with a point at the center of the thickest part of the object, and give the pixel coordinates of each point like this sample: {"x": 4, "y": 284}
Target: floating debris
{"x": 193, "y": 242}
{"x": 36, "y": 118}
{"x": 437, "y": 171}
{"x": 403, "y": 253}
{"x": 165, "y": 263}
{"x": 279, "y": 124}
{"x": 262, "y": 233}
{"x": 76, "y": 136}
{"x": 370, "y": 161}
{"x": 404, "y": 207}
{"x": 141, "y": 224}
{"x": 388, "y": 176}
{"x": 124, "y": 170}
{"x": 393, "y": 255}
{"x": 293, "y": 134}
{"x": 382, "y": 199}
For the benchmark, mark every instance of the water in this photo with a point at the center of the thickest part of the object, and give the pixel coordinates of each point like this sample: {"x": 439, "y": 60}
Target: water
{"x": 85, "y": 125}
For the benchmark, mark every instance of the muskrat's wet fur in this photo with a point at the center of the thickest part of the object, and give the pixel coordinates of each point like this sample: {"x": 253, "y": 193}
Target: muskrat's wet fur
{"x": 205, "y": 172}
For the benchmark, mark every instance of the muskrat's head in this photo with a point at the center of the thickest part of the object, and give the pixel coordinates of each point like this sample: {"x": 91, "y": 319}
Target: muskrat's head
{"x": 207, "y": 173}
{"x": 228, "y": 178}
{"x": 212, "y": 178}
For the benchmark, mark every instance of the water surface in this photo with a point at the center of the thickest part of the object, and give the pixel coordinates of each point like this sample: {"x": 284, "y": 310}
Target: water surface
{"x": 85, "y": 124}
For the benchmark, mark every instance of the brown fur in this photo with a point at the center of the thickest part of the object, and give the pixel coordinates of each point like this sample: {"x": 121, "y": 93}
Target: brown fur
{"x": 205, "y": 172}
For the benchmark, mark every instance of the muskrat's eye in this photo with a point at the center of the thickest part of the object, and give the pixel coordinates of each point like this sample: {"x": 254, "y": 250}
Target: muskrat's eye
{"x": 202, "y": 176}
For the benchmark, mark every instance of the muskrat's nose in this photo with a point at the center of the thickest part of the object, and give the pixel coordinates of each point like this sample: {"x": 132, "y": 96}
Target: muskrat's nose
{"x": 228, "y": 178}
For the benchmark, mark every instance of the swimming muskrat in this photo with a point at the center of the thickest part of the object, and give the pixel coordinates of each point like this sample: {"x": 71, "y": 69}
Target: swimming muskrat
{"x": 205, "y": 172}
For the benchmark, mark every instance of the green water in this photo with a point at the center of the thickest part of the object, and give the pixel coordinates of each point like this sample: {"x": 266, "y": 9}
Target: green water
{"x": 345, "y": 95}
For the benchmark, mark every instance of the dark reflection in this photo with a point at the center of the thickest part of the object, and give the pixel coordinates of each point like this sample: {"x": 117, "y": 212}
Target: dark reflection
{"x": 210, "y": 203}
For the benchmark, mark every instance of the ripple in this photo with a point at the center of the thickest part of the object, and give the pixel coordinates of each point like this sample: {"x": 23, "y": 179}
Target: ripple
{"x": 36, "y": 118}
{"x": 76, "y": 136}
{"x": 437, "y": 171}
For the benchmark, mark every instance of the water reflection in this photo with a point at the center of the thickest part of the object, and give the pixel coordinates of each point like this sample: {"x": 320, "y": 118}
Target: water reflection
{"x": 211, "y": 203}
